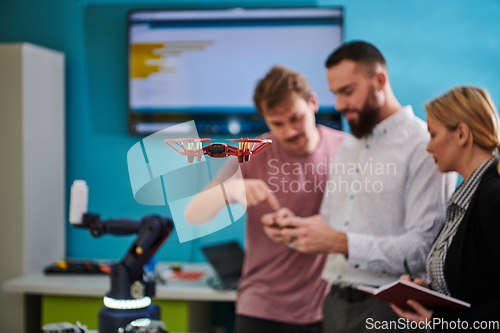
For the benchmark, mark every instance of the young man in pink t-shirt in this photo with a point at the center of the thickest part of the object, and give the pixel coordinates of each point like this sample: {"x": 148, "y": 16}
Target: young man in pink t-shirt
{"x": 280, "y": 290}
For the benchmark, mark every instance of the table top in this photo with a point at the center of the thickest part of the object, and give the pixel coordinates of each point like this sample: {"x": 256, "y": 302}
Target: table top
{"x": 99, "y": 285}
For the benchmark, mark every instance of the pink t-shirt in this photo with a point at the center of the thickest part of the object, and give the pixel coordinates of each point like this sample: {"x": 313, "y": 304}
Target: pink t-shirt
{"x": 279, "y": 283}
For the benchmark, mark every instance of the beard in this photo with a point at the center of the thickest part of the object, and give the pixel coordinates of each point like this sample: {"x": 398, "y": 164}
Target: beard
{"x": 368, "y": 117}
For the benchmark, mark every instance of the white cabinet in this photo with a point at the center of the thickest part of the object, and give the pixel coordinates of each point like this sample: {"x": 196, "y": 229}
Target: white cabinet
{"x": 32, "y": 168}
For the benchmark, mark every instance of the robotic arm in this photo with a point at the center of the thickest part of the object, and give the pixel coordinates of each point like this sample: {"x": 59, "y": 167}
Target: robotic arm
{"x": 130, "y": 295}
{"x": 127, "y": 280}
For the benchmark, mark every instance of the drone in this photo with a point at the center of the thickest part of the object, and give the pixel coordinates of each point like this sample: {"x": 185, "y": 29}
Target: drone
{"x": 246, "y": 147}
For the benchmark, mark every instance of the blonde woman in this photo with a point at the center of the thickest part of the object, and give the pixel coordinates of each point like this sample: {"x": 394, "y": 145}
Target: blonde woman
{"x": 464, "y": 262}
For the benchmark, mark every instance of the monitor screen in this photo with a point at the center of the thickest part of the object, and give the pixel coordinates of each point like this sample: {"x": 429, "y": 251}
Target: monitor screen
{"x": 203, "y": 65}
{"x": 227, "y": 261}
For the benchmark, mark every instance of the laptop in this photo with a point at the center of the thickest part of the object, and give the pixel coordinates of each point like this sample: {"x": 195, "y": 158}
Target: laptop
{"x": 227, "y": 261}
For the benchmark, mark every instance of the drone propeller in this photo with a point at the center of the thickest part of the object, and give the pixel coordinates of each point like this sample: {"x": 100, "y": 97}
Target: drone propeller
{"x": 250, "y": 146}
{"x": 250, "y": 140}
{"x": 191, "y": 150}
{"x": 189, "y": 140}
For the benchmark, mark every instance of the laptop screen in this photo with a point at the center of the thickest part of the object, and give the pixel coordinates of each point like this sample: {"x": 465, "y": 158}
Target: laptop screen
{"x": 227, "y": 261}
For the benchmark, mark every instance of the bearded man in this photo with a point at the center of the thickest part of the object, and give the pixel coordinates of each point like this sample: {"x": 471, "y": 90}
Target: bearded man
{"x": 385, "y": 201}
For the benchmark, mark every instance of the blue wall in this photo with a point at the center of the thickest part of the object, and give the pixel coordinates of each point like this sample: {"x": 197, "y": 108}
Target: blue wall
{"x": 430, "y": 46}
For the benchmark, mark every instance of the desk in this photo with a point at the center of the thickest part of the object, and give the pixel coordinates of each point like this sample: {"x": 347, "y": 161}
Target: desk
{"x": 184, "y": 304}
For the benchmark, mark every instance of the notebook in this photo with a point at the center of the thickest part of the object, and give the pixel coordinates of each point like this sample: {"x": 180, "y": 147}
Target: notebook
{"x": 398, "y": 292}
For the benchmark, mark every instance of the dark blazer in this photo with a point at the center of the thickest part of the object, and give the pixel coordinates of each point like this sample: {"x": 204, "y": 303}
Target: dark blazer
{"x": 472, "y": 266}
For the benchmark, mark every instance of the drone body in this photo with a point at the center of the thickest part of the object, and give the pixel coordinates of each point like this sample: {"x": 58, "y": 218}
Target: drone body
{"x": 246, "y": 147}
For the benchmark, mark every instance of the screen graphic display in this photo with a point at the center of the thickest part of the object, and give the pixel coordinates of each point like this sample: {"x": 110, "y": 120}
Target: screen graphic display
{"x": 203, "y": 65}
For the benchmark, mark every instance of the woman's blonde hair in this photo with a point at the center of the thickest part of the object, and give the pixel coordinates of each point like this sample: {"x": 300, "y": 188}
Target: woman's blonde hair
{"x": 473, "y": 107}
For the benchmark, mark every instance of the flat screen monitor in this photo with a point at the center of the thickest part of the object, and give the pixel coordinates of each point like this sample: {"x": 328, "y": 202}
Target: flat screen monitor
{"x": 203, "y": 65}
{"x": 227, "y": 261}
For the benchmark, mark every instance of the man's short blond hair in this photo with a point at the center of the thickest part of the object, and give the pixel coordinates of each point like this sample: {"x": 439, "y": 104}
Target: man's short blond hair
{"x": 279, "y": 85}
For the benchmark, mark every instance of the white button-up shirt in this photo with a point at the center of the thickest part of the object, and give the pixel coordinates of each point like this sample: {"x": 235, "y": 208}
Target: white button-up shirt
{"x": 386, "y": 193}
